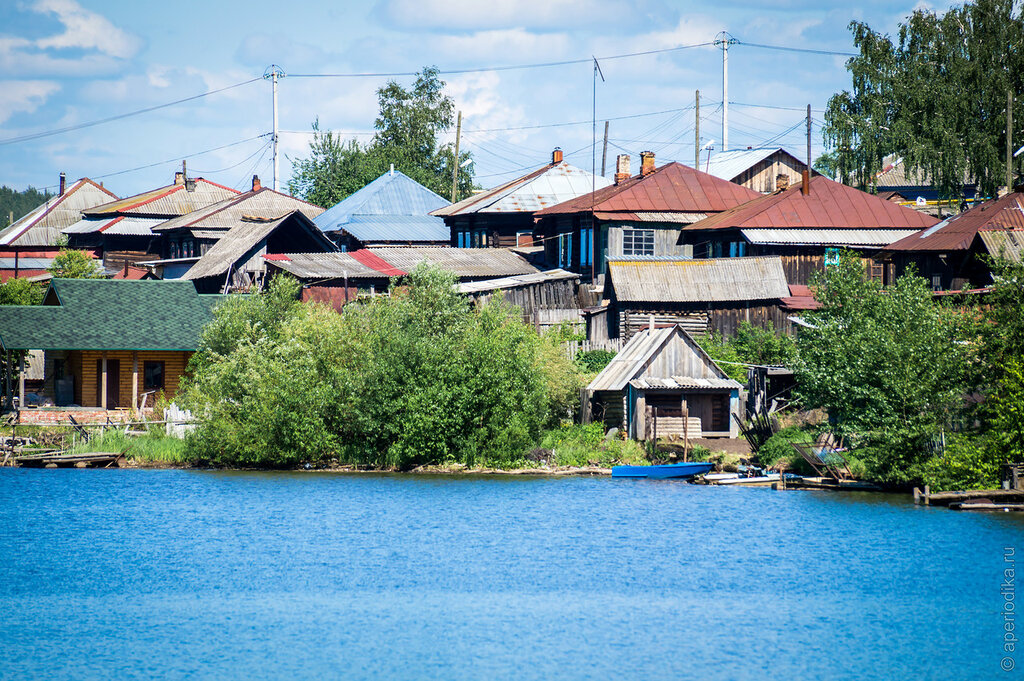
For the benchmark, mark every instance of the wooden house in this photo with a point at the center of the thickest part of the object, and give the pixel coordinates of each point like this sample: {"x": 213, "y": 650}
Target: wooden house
{"x": 660, "y": 378}
{"x": 636, "y": 216}
{"x": 122, "y": 231}
{"x": 952, "y": 254}
{"x": 29, "y": 244}
{"x": 763, "y": 169}
{"x": 107, "y": 342}
{"x": 917, "y": 186}
{"x": 393, "y": 210}
{"x": 806, "y": 226}
{"x": 701, "y": 296}
{"x": 503, "y": 217}
{"x": 547, "y": 299}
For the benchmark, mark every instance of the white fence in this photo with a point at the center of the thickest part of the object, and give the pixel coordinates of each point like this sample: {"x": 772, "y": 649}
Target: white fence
{"x": 573, "y": 348}
{"x": 179, "y": 421}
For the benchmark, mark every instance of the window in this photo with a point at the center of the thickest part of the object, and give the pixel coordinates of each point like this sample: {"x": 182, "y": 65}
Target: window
{"x": 153, "y": 375}
{"x": 565, "y": 250}
{"x": 637, "y": 242}
{"x": 936, "y": 282}
{"x": 831, "y": 256}
{"x": 737, "y": 249}
{"x": 586, "y": 246}
{"x": 524, "y": 239}
{"x": 478, "y": 239}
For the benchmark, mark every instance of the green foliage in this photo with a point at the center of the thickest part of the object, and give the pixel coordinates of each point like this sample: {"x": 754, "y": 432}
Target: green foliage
{"x": 750, "y": 345}
{"x": 408, "y": 125}
{"x": 969, "y": 462}
{"x": 907, "y": 97}
{"x": 409, "y": 379}
{"x": 18, "y": 291}
{"x": 576, "y": 445}
{"x": 779, "y": 446}
{"x": 152, "y": 447}
{"x": 71, "y": 263}
{"x": 593, "y": 361}
{"x": 888, "y": 366}
{"x": 19, "y": 202}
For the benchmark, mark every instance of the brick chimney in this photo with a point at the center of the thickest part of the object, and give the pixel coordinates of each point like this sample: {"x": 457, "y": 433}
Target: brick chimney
{"x": 622, "y": 168}
{"x": 63, "y": 184}
{"x": 806, "y": 187}
{"x": 256, "y": 186}
{"x": 646, "y": 163}
{"x": 556, "y": 156}
{"x": 781, "y": 182}
{"x": 179, "y": 177}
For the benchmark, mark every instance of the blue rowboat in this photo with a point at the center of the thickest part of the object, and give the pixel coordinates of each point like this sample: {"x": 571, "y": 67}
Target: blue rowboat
{"x": 672, "y": 470}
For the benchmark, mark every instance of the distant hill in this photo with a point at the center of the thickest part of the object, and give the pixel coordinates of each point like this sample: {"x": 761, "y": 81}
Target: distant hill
{"x": 19, "y": 203}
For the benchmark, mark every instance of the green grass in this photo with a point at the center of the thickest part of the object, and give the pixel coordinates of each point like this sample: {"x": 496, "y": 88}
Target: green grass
{"x": 578, "y": 445}
{"x": 155, "y": 447}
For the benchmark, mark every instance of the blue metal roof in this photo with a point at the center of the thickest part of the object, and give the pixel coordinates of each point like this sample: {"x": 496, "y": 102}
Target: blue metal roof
{"x": 377, "y": 228}
{"x": 393, "y": 193}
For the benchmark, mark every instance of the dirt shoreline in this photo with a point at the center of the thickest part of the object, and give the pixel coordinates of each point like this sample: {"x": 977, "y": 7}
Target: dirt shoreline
{"x": 453, "y": 469}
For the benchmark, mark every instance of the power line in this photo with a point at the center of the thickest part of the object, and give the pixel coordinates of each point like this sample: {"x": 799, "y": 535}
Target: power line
{"x": 784, "y": 48}
{"x": 178, "y": 158}
{"x": 79, "y": 126}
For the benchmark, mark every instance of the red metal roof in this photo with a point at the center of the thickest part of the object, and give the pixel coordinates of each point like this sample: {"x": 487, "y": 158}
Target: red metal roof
{"x": 958, "y": 232}
{"x": 673, "y": 187}
{"x": 829, "y": 205}
{"x": 376, "y": 262}
{"x": 133, "y": 273}
{"x": 800, "y": 297}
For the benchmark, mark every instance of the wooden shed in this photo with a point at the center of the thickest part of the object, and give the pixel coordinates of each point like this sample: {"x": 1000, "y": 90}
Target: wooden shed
{"x": 660, "y": 378}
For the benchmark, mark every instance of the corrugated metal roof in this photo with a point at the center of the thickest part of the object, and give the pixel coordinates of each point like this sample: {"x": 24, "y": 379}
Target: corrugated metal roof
{"x": 393, "y": 193}
{"x": 546, "y": 186}
{"x": 826, "y": 237}
{"x": 678, "y": 382}
{"x": 679, "y": 218}
{"x": 1007, "y": 244}
{"x": 312, "y": 266}
{"x": 43, "y": 224}
{"x": 132, "y": 226}
{"x": 502, "y": 283}
{"x": 672, "y": 188}
{"x": 632, "y": 360}
{"x": 371, "y": 229}
{"x": 262, "y": 203}
{"x": 678, "y": 280}
{"x": 958, "y": 232}
{"x": 88, "y": 225}
{"x": 464, "y": 262}
{"x": 729, "y": 165}
{"x": 26, "y": 263}
{"x": 167, "y": 201}
{"x": 829, "y": 205}
{"x": 896, "y": 173}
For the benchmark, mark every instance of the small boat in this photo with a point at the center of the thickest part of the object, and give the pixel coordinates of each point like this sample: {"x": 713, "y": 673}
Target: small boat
{"x": 672, "y": 470}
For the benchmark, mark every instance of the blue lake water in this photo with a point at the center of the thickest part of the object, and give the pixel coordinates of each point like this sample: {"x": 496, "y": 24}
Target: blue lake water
{"x": 134, "y": 574}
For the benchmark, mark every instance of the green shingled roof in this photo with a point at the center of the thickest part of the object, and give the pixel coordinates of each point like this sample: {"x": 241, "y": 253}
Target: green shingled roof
{"x": 108, "y": 314}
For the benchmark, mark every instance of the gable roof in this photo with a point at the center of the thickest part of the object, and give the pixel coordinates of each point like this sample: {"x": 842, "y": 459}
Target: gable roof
{"x": 679, "y": 280}
{"x": 896, "y": 173}
{"x": 373, "y": 263}
{"x": 1003, "y": 215}
{"x": 393, "y": 193}
{"x": 108, "y": 314}
{"x": 170, "y": 201}
{"x": 638, "y": 354}
{"x": 728, "y": 165}
{"x": 262, "y": 203}
{"x": 403, "y": 229}
{"x": 671, "y": 188}
{"x": 547, "y": 186}
{"x": 43, "y": 224}
{"x": 830, "y": 205}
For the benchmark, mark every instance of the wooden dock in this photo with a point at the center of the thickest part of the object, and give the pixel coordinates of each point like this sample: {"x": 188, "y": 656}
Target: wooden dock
{"x": 973, "y": 499}
{"x": 58, "y": 460}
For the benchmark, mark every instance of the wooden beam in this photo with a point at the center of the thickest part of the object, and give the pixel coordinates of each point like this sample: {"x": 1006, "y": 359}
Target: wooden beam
{"x": 103, "y": 382}
{"x": 135, "y": 380}
{"x": 21, "y": 382}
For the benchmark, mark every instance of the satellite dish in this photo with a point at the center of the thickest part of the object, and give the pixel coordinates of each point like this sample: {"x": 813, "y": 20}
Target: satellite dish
{"x": 920, "y": 201}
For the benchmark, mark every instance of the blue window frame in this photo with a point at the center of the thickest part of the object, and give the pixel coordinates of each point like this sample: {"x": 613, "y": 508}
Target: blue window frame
{"x": 586, "y": 246}
{"x": 565, "y": 250}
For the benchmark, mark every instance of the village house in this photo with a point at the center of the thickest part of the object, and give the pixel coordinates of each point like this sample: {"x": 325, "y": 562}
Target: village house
{"x": 663, "y": 384}
{"x": 918, "y": 190}
{"x": 636, "y": 216}
{"x": 757, "y": 168}
{"x": 185, "y": 239}
{"x": 806, "y": 225}
{"x": 121, "y": 231}
{"x": 107, "y": 343}
{"x": 951, "y": 255}
{"x": 393, "y": 210}
{"x": 503, "y": 217}
{"x": 28, "y": 245}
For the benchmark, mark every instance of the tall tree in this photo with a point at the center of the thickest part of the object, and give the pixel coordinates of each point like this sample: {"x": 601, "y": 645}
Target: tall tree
{"x": 408, "y": 125}
{"x": 19, "y": 203}
{"x": 936, "y": 96}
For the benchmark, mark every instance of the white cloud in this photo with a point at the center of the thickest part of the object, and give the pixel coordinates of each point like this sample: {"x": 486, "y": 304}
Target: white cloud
{"x": 85, "y": 29}
{"x": 24, "y": 96}
{"x": 474, "y": 15}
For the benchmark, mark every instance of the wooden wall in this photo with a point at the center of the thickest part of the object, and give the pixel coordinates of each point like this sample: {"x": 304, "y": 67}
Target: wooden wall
{"x": 548, "y": 295}
{"x": 83, "y": 365}
{"x": 699, "y": 319}
{"x": 761, "y": 177}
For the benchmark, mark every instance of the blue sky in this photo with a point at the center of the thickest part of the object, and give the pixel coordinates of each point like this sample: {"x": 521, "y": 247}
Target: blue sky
{"x": 67, "y": 62}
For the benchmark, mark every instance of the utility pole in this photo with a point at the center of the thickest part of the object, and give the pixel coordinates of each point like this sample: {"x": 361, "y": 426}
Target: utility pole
{"x": 725, "y": 40}
{"x": 455, "y": 166}
{"x": 696, "y": 131}
{"x": 274, "y": 72}
{"x": 1009, "y": 141}
{"x": 807, "y": 173}
{"x": 604, "y": 151}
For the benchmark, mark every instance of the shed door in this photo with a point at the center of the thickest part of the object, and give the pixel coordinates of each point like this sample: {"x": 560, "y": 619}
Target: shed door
{"x": 113, "y": 383}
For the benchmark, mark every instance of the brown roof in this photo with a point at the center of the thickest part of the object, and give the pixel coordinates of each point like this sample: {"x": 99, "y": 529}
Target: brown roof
{"x": 43, "y": 224}
{"x": 225, "y": 214}
{"x": 958, "y": 232}
{"x": 829, "y": 205}
{"x": 673, "y": 188}
{"x": 172, "y": 200}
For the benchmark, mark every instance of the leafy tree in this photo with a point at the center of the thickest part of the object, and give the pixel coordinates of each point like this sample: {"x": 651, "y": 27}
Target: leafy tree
{"x": 18, "y": 291}
{"x": 71, "y": 263}
{"x": 890, "y": 367}
{"x": 935, "y": 96}
{"x": 19, "y": 203}
{"x": 407, "y": 126}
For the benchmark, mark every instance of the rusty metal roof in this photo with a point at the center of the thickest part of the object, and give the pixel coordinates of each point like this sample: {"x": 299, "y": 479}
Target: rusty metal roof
{"x": 678, "y": 280}
{"x": 466, "y": 263}
{"x": 678, "y": 382}
{"x": 673, "y": 188}
{"x": 228, "y": 212}
{"x": 169, "y": 201}
{"x": 829, "y": 205}
{"x": 311, "y": 266}
{"x": 876, "y": 238}
{"x": 516, "y": 281}
{"x": 958, "y": 232}
{"x": 43, "y": 224}
{"x": 546, "y": 186}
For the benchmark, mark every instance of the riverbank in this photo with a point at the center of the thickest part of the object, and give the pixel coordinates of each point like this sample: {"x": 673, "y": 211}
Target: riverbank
{"x": 448, "y": 469}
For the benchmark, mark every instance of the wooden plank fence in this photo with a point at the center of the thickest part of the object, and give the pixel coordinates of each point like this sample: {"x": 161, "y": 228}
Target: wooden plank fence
{"x": 573, "y": 348}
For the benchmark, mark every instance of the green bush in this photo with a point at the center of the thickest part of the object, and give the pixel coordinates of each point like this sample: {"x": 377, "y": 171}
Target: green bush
{"x": 154, "y": 446}
{"x": 969, "y": 462}
{"x": 779, "y": 447}
{"x": 593, "y": 361}
{"x": 580, "y": 445}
